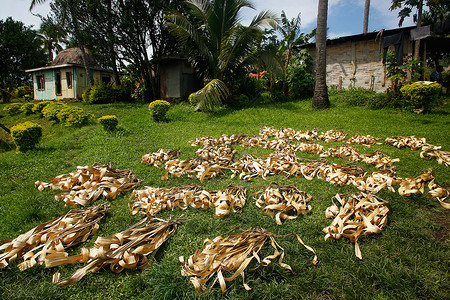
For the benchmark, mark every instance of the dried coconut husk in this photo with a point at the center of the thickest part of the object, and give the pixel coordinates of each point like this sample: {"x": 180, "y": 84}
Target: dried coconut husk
{"x": 223, "y": 155}
{"x": 406, "y": 141}
{"x": 232, "y": 253}
{"x": 159, "y": 157}
{"x": 378, "y": 159}
{"x": 332, "y": 136}
{"x": 88, "y": 183}
{"x": 366, "y": 140}
{"x": 309, "y": 148}
{"x": 52, "y": 237}
{"x": 284, "y": 202}
{"x": 355, "y": 216}
{"x": 376, "y": 181}
{"x": 130, "y": 249}
{"x": 442, "y": 157}
{"x": 343, "y": 151}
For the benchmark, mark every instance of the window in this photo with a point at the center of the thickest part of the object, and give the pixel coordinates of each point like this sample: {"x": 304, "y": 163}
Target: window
{"x": 58, "y": 89}
{"x": 69, "y": 79}
{"x": 106, "y": 78}
{"x": 40, "y": 81}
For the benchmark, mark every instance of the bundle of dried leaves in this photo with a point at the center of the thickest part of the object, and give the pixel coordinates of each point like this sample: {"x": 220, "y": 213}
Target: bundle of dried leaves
{"x": 366, "y": 140}
{"x": 309, "y": 148}
{"x": 129, "y": 249}
{"x": 88, "y": 183}
{"x": 53, "y": 237}
{"x": 284, "y": 202}
{"x": 376, "y": 181}
{"x": 159, "y": 157}
{"x": 332, "y": 136}
{"x": 223, "y": 155}
{"x": 355, "y": 216}
{"x": 232, "y": 253}
{"x": 406, "y": 141}
{"x": 442, "y": 157}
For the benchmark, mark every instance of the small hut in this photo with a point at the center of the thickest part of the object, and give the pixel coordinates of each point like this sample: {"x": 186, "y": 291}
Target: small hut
{"x": 66, "y": 77}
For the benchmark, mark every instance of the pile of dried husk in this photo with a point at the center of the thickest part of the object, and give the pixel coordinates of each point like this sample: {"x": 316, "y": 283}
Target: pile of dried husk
{"x": 406, "y": 141}
{"x": 355, "y": 216}
{"x": 129, "y": 249}
{"x": 284, "y": 202}
{"x": 309, "y": 148}
{"x": 288, "y": 133}
{"x": 88, "y": 183}
{"x": 366, "y": 140}
{"x": 377, "y": 158}
{"x": 53, "y": 237}
{"x": 150, "y": 201}
{"x": 332, "y": 136}
{"x": 442, "y": 157}
{"x": 232, "y": 253}
{"x": 159, "y": 157}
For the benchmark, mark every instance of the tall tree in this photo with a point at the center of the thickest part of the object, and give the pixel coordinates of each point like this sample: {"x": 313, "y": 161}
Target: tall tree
{"x": 52, "y": 34}
{"x": 212, "y": 37}
{"x": 366, "y": 16}
{"x": 20, "y": 49}
{"x": 320, "y": 99}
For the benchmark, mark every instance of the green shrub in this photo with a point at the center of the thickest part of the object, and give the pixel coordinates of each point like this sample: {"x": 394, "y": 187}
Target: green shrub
{"x": 38, "y": 107}
{"x": 158, "y": 109}
{"x": 241, "y": 101}
{"x": 27, "y": 108}
{"x": 379, "y": 101}
{"x": 355, "y": 96}
{"x": 64, "y": 113}
{"x": 26, "y": 135}
{"x": 101, "y": 93}
{"x": 109, "y": 123}
{"x": 421, "y": 95}
{"x": 300, "y": 76}
{"x": 87, "y": 94}
{"x": 51, "y": 110}
{"x": 122, "y": 94}
{"x": 78, "y": 117}
{"x": 13, "y": 108}
{"x": 193, "y": 100}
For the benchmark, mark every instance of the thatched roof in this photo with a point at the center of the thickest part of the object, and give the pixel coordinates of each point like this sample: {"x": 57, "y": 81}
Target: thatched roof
{"x": 73, "y": 56}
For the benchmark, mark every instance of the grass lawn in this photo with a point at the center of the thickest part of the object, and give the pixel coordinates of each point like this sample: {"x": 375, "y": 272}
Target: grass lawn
{"x": 408, "y": 260}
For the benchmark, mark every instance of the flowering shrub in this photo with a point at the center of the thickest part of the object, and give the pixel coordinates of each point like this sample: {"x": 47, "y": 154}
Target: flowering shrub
{"x": 158, "y": 109}
{"x": 26, "y": 135}
{"x": 109, "y": 123}
{"x": 421, "y": 95}
{"x": 139, "y": 89}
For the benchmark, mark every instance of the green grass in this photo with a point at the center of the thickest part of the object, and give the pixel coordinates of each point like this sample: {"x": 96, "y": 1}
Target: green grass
{"x": 409, "y": 259}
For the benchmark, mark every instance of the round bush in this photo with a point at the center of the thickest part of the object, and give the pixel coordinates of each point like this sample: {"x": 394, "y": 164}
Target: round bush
{"x": 101, "y": 93}
{"x": 27, "y": 108}
{"x": 158, "y": 109}
{"x": 51, "y": 110}
{"x": 78, "y": 117}
{"x": 38, "y": 107}
{"x": 109, "y": 123}
{"x": 87, "y": 94}
{"x": 421, "y": 95}
{"x": 26, "y": 135}
{"x": 13, "y": 108}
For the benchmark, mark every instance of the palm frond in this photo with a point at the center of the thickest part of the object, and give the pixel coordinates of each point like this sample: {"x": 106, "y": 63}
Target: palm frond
{"x": 211, "y": 96}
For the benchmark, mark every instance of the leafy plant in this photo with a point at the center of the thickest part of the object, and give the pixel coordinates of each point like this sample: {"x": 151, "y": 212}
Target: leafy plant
{"x": 158, "y": 109}
{"x": 101, "y": 93}
{"x": 13, "y": 108}
{"x": 38, "y": 107}
{"x": 421, "y": 95}
{"x": 73, "y": 116}
{"x": 210, "y": 96}
{"x": 51, "y": 110}
{"x": 300, "y": 76}
{"x": 27, "y": 108}
{"x": 26, "y": 135}
{"x": 109, "y": 122}
{"x": 87, "y": 94}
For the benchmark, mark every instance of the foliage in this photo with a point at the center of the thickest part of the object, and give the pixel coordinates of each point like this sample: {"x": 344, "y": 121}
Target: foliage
{"x": 51, "y": 110}
{"x": 139, "y": 90}
{"x": 212, "y": 37}
{"x": 23, "y": 92}
{"x": 87, "y": 94}
{"x": 247, "y": 85}
{"x": 210, "y": 96}
{"x": 355, "y": 96}
{"x": 109, "y": 122}
{"x": 101, "y": 93}
{"x": 27, "y": 108}
{"x": 38, "y": 107}
{"x": 26, "y": 135}
{"x": 122, "y": 93}
{"x": 20, "y": 50}
{"x": 300, "y": 76}
{"x": 52, "y": 34}
{"x": 158, "y": 110}
{"x": 437, "y": 8}
{"x": 13, "y": 108}
{"x": 398, "y": 74}
{"x": 421, "y": 95}
{"x": 78, "y": 117}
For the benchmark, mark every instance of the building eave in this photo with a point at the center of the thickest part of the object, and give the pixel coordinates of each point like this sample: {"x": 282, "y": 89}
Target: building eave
{"x": 66, "y": 66}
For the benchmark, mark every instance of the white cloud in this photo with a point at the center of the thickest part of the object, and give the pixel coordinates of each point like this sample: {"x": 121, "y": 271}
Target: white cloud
{"x": 19, "y": 10}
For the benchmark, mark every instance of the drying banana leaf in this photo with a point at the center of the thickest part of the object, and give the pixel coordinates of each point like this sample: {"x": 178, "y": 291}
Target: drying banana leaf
{"x": 130, "y": 249}
{"x": 416, "y": 185}
{"x": 332, "y": 136}
{"x": 442, "y": 157}
{"x": 406, "y": 141}
{"x": 355, "y": 216}
{"x": 222, "y": 140}
{"x": 376, "y": 181}
{"x": 249, "y": 166}
{"x": 223, "y": 155}
{"x": 232, "y": 254}
{"x": 343, "y": 151}
{"x": 231, "y": 198}
{"x": 195, "y": 168}
{"x": 440, "y": 193}
{"x": 309, "y": 148}
{"x": 284, "y": 202}
{"x": 159, "y": 157}
{"x": 288, "y": 133}
{"x": 52, "y": 237}
{"x": 366, "y": 140}
{"x": 378, "y": 159}
{"x": 88, "y": 183}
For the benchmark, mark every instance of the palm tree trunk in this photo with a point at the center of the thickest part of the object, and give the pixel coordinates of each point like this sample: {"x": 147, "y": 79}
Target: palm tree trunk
{"x": 320, "y": 100}
{"x": 366, "y": 16}
{"x": 419, "y": 24}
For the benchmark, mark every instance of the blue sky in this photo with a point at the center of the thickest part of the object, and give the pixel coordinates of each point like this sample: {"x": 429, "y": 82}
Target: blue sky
{"x": 345, "y": 17}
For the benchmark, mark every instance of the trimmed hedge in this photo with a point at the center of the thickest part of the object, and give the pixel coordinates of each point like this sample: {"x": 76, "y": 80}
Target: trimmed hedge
{"x": 38, "y": 107}
{"x": 13, "y": 108}
{"x": 27, "y": 108}
{"x": 109, "y": 123}
{"x": 158, "y": 109}
{"x": 26, "y": 135}
{"x": 421, "y": 95}
{"x": 51, "y": 110}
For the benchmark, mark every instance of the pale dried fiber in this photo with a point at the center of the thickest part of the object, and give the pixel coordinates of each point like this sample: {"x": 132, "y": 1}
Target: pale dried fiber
{"x": 222, "y": 154}
{"x": 130, "y": 249}
{"x": 343, "y": 151}
{"x": 150, "y": 201}
{"x": 366, "y": 140}
{"x": 442, "y": 157}
{"x": 440, "y": 193}
{"x": 232, "y": 254}
{"x": 249, "y": 166}
{"x": 88, "y": 183}
{"x": 376, "y": 181}
{"x": 222, "y": 140}
{"x": 378, "y": 159}
{"x": 284, "y": 202}
{"x": 288, "y": 133}
{"x": 332, "y": 136}
{"x": 195, "y": 168}
{"x": 309, "y": 148}
{"x": 159, "y": 157}
{"x": 355, "y": 216}
{"x": 53, "y": 237}
{"x": 406, "y": 141}
{"x": 416, "y": 185}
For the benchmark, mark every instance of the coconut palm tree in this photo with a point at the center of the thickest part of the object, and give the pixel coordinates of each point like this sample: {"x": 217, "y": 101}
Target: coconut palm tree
{"x": 366, "y": 16}
{"x": 52, "y": 35}
{"x": 213, "y": 38}
{"x": 320, "y": 99}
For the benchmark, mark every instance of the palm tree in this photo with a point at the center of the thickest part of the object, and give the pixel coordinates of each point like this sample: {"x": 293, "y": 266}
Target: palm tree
{"x": 52, "y": 35}
{"x": 366, "y": 16}
{"x": 213, "y": 38}
{"x": 320, "y": 100}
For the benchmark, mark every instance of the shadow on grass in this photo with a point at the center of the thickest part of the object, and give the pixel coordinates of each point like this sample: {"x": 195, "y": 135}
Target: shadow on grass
{"x": 6, "y": 146}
